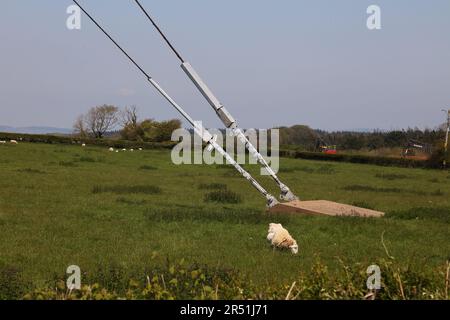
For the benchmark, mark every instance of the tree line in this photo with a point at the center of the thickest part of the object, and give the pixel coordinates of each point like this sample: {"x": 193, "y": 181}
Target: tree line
{"x": 103, "y": 120}
{"x": 108, "y": 119}
{"x": 308, "y": 139}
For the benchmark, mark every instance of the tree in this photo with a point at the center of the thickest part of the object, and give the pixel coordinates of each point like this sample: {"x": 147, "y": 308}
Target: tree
{"x": 79, "y": 127}
{"x": 160, "y": 131}
{"x": 147, "y": 130}
{"x": 101, "y": 119}
{"x": 131, "y": 128}
{"x": 298, "y": 135}
{"x": 130, "y": 117}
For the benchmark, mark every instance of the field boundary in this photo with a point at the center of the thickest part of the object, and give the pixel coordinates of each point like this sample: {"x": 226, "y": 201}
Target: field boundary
{"x": 360, "y": 159}
{"x": 53, "y": 139}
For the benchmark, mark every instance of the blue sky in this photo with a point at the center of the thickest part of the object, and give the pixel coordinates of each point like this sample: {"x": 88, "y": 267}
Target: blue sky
{"x": 271, "y": 63}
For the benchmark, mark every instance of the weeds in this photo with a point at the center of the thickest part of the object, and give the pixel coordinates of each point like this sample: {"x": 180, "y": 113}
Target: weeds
{"x": 147, "y": 167}
{"x": 200, "y": 282}
{"x": 212, "y": 186}
{"x": 223, "y": 196}
{"x": 225, "y": 214}
{"x": 131, "y": 202}
{"x": 391, "y": 176}
{"x": 231, "y": 174}
{"x": 422, "y": 213}
{"x": 438, "y": 192}
{"x": 86, "y": 159}
{"x": 67, "y": 164}
{"x": 366, "y": 188}
{"x": 121, "y": 189}
{"x": 326, "y": 170}
{"x": 363, "y": 204}
{"x": 31, "y": 171}
{"x": 12, "y": 284}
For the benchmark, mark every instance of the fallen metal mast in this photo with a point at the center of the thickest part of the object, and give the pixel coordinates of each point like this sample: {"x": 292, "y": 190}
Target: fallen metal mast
{"x": 226, "y": 118}
{"x": 207, "y": 137}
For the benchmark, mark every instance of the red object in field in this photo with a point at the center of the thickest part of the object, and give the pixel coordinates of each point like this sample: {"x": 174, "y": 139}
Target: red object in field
{"x": 331, "y": 151}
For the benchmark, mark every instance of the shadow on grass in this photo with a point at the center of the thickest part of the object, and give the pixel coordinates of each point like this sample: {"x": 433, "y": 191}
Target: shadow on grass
{"x": 118, "y": 189}
{"x": 147, "y": 167}
{"x": 223, "y": 196}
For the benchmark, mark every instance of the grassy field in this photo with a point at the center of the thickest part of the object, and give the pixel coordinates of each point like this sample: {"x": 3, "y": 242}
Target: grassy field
{"x": 62, "y": 205}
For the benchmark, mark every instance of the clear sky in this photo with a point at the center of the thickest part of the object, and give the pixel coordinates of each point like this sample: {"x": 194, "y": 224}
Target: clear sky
{"x": 271, "y": 63}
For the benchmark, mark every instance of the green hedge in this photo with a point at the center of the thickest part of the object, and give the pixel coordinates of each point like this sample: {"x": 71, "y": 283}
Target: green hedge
{"x": 51, "y": 139}
{"x": 381, "y": 161}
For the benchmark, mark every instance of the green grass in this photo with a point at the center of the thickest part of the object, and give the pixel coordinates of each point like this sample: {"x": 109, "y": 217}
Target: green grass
{"x": 147, "y": 167}
{"x": 63, "y": 205}
{"x": 212, "y": 186}
{"x": 121, "y": 189}
{"x": 223, "y": 196}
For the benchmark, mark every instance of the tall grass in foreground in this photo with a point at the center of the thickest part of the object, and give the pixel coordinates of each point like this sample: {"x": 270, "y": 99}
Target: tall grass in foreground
{"x": 177, "y": 281}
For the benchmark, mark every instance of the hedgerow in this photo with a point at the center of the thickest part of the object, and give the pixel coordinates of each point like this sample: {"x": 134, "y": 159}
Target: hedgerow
{"x": 363, "y": 159}
{"x": 51, "y": 139}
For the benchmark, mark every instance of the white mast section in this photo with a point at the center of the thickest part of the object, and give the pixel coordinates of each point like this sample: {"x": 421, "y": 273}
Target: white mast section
{"x": 222, "y": 112}
{"x": 199, "y": 129}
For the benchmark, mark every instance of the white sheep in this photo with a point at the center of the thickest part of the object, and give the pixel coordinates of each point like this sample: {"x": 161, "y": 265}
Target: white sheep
{"x": 140, "y": 149}
{"x": 2, "y": 142}
{"x": 124, "y": 149}
{"x": 280, "y": 238}
{"x": 132, "y": 150}
{"x": 111, "y": 149}
{"x": 13, "y": 142}
{"x": 83, "y": 145}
